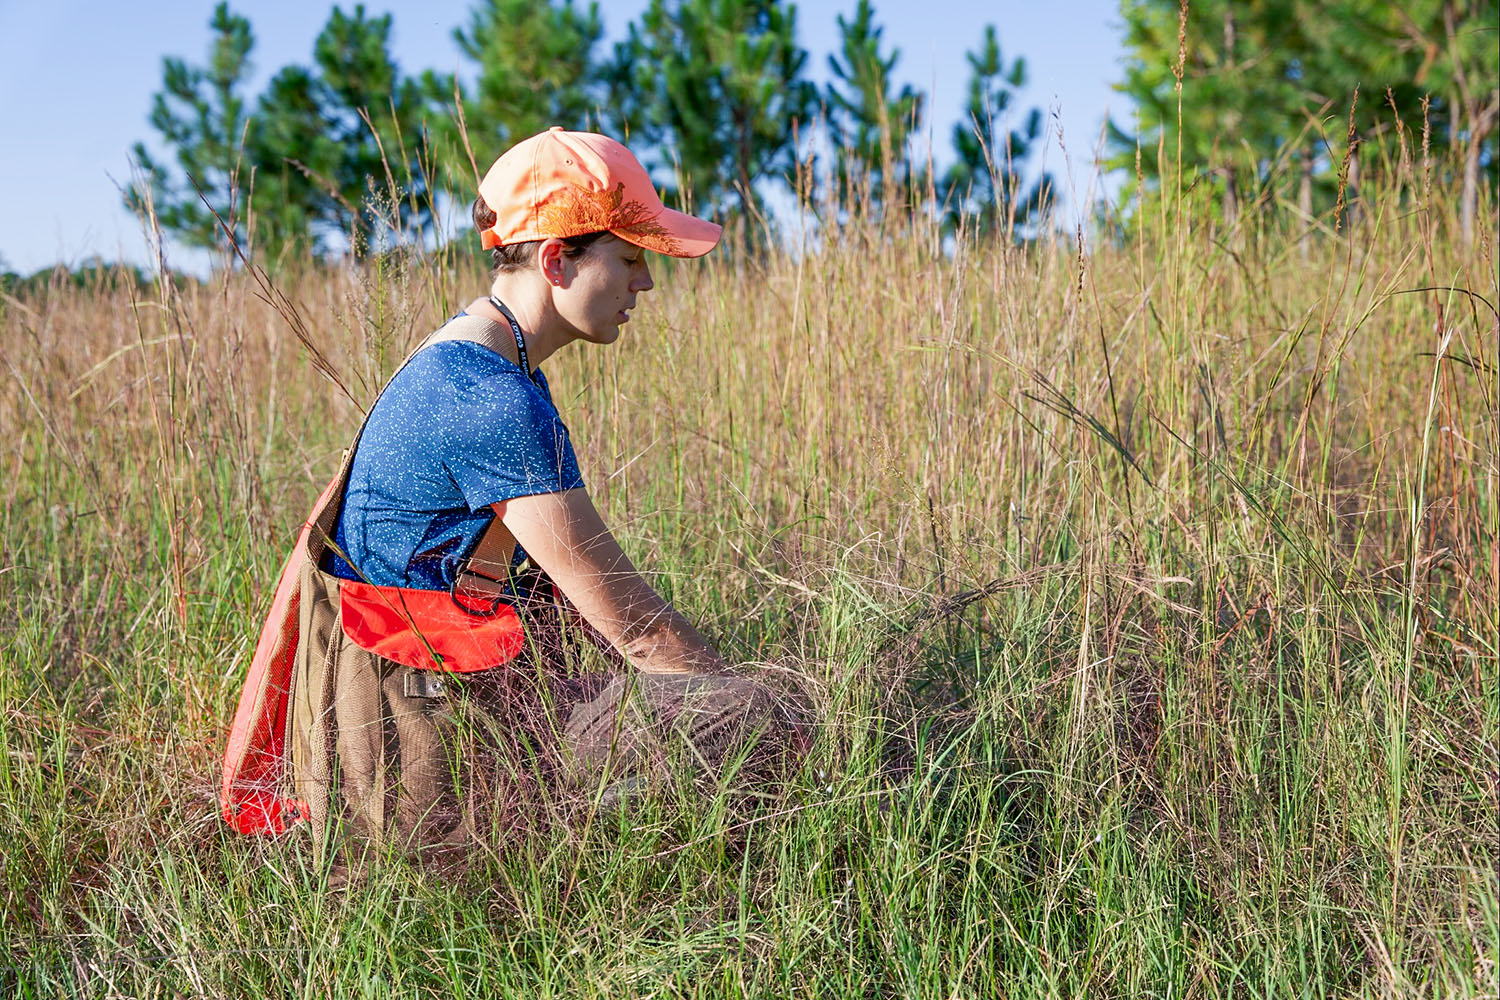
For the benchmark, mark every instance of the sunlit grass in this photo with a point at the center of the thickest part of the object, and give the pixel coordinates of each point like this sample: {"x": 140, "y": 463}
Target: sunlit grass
{"x": 1148, "y": 597}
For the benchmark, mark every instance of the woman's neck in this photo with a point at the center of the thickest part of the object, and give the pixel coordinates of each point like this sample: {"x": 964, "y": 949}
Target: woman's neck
{"x": 530, "y": 302}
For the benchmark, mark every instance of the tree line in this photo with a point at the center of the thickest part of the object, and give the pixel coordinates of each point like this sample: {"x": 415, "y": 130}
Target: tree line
{"x": 713, "y": 94}
{"x": 1247, "y": 97}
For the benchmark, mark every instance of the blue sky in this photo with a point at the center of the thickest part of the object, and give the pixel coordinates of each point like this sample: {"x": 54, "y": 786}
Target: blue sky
{"x": 78, "y": 76}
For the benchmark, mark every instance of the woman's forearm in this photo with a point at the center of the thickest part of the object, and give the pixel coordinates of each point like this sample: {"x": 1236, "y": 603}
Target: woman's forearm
{"x": 565, "y": 535}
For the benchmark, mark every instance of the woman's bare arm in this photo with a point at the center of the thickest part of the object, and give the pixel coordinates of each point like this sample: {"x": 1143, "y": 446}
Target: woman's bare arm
{"x": 569, "y": 540}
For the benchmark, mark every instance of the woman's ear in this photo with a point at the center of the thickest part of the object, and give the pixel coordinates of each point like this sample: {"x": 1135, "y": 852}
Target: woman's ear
{"x": 549, "y": 260}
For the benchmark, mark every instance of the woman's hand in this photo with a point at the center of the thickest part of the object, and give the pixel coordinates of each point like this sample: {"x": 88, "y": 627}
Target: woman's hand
{"x": 565, "y": 535}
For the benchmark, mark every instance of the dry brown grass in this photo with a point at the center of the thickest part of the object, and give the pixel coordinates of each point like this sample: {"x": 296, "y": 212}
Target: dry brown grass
{"x": 1189, "y": 542}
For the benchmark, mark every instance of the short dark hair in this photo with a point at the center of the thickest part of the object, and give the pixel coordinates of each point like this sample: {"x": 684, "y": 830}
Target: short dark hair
{"x": 515, "y": 256}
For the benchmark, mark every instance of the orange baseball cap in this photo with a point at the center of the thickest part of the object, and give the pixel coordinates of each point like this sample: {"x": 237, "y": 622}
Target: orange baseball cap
{"x": 570, "y": 183}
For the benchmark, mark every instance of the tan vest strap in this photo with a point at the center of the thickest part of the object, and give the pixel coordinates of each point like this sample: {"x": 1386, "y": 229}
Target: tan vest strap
{"x": 484, "y": 332}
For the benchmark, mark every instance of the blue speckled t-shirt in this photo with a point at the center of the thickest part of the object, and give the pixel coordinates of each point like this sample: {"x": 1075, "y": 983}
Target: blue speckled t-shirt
{"x": 457, "y": 429}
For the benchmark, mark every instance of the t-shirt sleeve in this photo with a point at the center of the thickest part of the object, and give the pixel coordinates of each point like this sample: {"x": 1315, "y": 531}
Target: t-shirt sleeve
{"x": 507, "y": 442}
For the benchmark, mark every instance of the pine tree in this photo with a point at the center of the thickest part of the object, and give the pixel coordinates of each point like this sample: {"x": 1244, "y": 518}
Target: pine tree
{"x": 373, "y": 115}
{"x": 1240, "y": 66}
{"x": 337, "y": 147}
{"x": 1442, "y": 51}
{"x": 717, "y": 87}
{"x": 985, "y": 190}
{"x": 535, "y": 69}
{"x": 868, "y": 126}
{"x": 200, "y": 115}
{"x": 312, "y": 167}
{"x": 1267, "y": 88}
{"x": 295, "y": 160}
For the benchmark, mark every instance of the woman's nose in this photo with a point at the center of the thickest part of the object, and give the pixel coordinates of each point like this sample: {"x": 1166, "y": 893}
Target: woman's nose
{"x": 643, "y": 282}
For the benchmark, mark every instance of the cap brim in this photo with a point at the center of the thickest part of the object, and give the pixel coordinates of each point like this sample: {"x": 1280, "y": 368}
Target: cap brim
{"x": 674, "y": 233}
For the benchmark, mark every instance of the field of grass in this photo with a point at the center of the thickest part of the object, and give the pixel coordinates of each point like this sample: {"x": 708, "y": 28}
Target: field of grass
{"x": 1147, "y": 596}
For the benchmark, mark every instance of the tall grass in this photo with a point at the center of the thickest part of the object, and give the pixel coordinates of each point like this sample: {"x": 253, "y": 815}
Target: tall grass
{"x": 1147, "y": 594}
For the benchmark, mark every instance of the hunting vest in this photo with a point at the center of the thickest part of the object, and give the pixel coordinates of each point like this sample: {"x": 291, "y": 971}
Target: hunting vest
{"x": 307, "y": 735}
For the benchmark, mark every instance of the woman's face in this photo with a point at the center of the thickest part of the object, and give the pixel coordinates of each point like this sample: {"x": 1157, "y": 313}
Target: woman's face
{"x": 598, "y": 290}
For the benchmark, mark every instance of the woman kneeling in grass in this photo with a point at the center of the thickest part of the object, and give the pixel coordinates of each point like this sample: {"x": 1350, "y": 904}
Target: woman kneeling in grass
{"x": 464, "y": 481}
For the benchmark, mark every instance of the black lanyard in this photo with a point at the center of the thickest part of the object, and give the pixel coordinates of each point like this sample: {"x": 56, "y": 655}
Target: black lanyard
{"x": 490, "y": 604}
{"x": 515, "y": 328}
